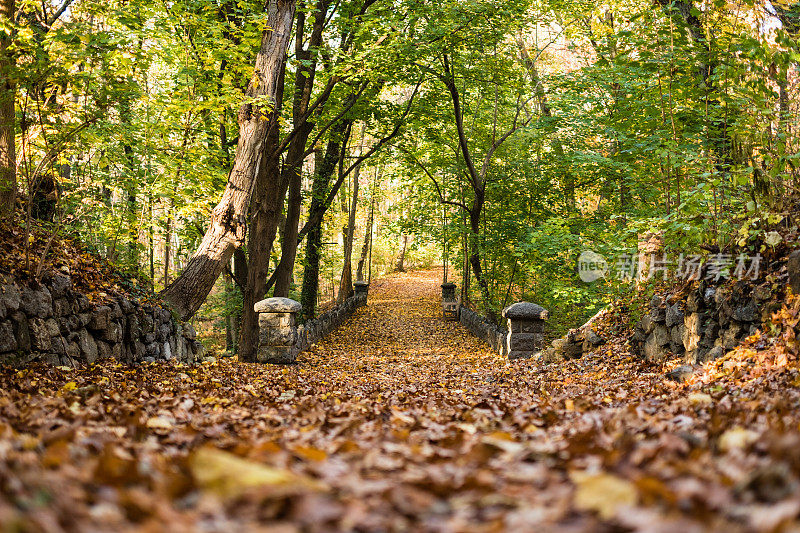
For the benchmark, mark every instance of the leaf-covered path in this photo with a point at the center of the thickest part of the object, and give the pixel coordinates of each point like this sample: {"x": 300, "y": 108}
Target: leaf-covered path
{"x": 400, "y": 421}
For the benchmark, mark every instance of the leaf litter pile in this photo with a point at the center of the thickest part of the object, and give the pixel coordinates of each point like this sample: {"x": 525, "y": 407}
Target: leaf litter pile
{"x": 401, "y": 421}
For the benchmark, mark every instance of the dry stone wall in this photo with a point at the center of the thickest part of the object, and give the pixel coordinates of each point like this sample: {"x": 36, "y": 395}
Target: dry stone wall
{"x": 53, "y": 323}
{"x": 483, "y": 329}
{"x": 703, "y": 324}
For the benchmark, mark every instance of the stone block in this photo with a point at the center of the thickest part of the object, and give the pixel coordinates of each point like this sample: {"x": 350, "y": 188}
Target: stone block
{"x": 21, "y": 331}
{"x": 40, "y": 335}
{"x": 11, "y": 297}
{"x": 277, "y": 305}
{"x": 278, "y": 355}
{"x": 525, "y": 326}
{"x": 59, "y": 285}
{"x": 525, "y": 342}
{"x": 100, "y": 318}
{"x": 525, "y": 310}
{"x": 87, "y": 345}
{"x": 674, "y": 315}
{"x": 8, "y": 342}
{"x": 793, "y": 268}
{"x": 276, "y": 320}
{"x": 520, "y": 354}
{"x": 36, "y": 302}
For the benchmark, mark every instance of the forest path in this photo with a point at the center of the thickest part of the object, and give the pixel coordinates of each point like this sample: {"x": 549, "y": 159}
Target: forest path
{"x": 400, "y": 421}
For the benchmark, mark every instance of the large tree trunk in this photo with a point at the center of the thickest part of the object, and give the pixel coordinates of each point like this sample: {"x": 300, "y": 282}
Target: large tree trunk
{"x": 267, "y": 202}
{"x": 293, "y": 166}
{"x": 319, "y": 191}
{"x": 8, "y": 154}
{"x": 368, "y": 230}
{"x": 228, "y": 220}
{"x": 400, "y": 265}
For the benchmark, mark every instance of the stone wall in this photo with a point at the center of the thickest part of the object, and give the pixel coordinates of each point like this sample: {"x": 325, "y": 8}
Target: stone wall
{"x": 703, "y": 324}
{"x": 483, "y": 329}
{"x": 316, "y": 329}
{"x": 52, "y": 322}
{"x": 280, "y": 338}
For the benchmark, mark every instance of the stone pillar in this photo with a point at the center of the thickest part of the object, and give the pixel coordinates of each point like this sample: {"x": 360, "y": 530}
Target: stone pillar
{"x": 525, "y": 329}
{"x": 277, "y": 325}
{"x": 449, "y": 301}
{"x": 361, "y": 289}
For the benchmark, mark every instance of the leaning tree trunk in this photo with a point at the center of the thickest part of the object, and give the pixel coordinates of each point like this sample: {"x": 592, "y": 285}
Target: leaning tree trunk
{"x": 228, "y": 220}
{"x": 367, "y": 232}
{"x": 8, "y": 157}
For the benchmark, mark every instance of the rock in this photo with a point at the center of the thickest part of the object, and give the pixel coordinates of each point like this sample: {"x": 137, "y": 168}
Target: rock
{"x": 647, "y": 324}
{"x": 593, "y": 338}
{"x": 104, "y": 350}
{"x": 762, "y": 293}
{"x": 58, "y": 345}
{"x": 674, "y": 315}
{"x": 709, "y": 296}
{"x": 693, "y": 303}
{"x": 680, "y": 374}
{"x": 654, "y": 345}
{"x": 21, "y": 331}
{"x": 83, "y": 303}
{"x": 61, "y": 307}
{"x": 87, "y": 345}
{"x": 167, "y": 351}
{"x": 40, "y": 335}
{"x": 36, "y": 302}
{"x": 746, "y": 313}
{"x": 714, "y": 353}
{"x": 59, "y": 285}
{"x": 525, "y": 310}
{"x": 100, "y": 318}
{"x": 189, "y": 332}
{"x": 793, "y": 268}
{"x": 277, "y": 305}
{"x": 10, "y": 296}
{"x": 676, "y": 334}
{"x": 525, "y": 342}
{"x": 8, "y": 342}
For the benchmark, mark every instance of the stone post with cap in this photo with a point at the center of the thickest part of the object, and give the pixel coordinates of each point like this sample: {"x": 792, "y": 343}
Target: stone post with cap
{"x": 525, "y": 329}
{"x": 277, "y": 325}
{"x": 361, "y": 290}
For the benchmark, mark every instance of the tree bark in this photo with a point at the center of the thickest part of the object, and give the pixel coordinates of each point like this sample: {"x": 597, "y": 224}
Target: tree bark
{"x": 401, "y": 259}
{"x": 367, "y": 230}
{"x": 8, "y": 154}
{"x": 346, "y": 281}
{"x": 267, "y": 202}
{"x": 228, "y": 220}
{"x": 319, "y": 191}
{"x": 293, "y": 166}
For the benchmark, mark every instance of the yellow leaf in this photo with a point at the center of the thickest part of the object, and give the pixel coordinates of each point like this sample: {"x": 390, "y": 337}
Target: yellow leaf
{"x": 230, "y": 476}
{"x": 70, "y": 386}
{"x": 603, "y": 493}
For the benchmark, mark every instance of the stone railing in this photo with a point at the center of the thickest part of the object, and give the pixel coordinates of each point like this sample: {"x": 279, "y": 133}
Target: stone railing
{"x": 53, "y": 323}
{"x": 523, "y": 337}
{"x": 281, "y": 339}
